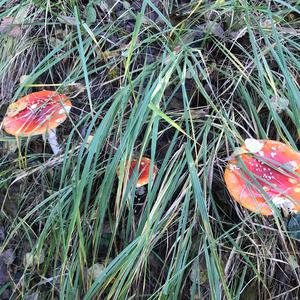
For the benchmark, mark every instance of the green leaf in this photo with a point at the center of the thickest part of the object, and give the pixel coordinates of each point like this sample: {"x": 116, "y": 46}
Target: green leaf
{"x": 91, "y": 14}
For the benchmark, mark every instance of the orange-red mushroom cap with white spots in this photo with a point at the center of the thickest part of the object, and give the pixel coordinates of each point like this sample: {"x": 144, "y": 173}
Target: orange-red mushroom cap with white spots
{"x": 275, "y": 167}
{"x": 36, "y": 113}
{"x": 143, "y": 171}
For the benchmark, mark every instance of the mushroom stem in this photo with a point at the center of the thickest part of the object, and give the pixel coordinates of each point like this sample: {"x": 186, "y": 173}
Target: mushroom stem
{"x": 52, "y": 139}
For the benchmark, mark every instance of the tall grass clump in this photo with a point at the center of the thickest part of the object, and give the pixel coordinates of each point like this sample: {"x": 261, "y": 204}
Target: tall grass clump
{"x": 181, "y": 82}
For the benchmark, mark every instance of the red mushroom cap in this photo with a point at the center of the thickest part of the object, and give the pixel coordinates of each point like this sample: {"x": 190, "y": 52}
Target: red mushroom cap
{"x": 36, "y": 113}
{"x": 143, "y": 172}
{"x": 276, "y": 168}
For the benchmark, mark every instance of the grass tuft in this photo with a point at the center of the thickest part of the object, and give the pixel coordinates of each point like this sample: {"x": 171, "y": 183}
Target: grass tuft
{"x": 181, "y": 82}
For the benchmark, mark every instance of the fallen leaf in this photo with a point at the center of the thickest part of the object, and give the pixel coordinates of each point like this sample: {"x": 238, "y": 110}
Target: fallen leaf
{"x": 172, "y": 56}
{"x": 198, "y": 274}
{"x": 91, "y": 14}
{"x": 267, "y": 23}
{"x": 6, "y": 259}
{"x": 32, "y": 296}
{"x": 69, "y": 20}
{"x": 95, "y": 270}
{"x": 279, "y": 103}
{"x": 24, "y": 78}
{"x": 10, "y": 146}
{"x": 88, "y": 141}
{"x": 7, "y": 26}
{"x": 235, "y": 35}
{"x": 126, "y": 5}
{"x": 103, "y": 5}
{"x": 15, "y": 32}
{"x": 8, "y": 256}
{"x": 215, "y": 28}
{"x": 31, "y": 259}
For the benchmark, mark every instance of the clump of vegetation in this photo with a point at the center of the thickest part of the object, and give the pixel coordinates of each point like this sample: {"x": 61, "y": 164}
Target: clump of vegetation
{"x": 182, "y": 83}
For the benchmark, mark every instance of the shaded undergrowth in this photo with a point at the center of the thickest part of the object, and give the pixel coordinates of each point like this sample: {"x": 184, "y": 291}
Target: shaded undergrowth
{"x": 182, "y": 82}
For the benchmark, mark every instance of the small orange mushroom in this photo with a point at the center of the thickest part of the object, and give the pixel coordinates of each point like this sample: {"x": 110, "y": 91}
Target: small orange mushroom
{"x": 275, "y": 167}
{"x": 37, "y": 113}
{"x": 143, "y": 172}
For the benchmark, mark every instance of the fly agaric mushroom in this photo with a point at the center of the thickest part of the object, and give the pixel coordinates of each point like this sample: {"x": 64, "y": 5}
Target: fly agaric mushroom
{"x": 143, "y": 171}
{"x": 275, "y": 167}
{"x": 38, "y": 113}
